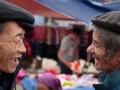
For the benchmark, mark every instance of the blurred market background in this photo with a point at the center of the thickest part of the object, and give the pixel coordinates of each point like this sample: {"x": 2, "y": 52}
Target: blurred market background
{"x": 54, "y": 20}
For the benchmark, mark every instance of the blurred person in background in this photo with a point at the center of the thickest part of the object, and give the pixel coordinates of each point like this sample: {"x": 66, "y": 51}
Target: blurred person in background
{"x": 69, "y": 51}
{"x": 105, "y": 48}
{"x": 48, "y": 81}
{"x": 14, "y": 22}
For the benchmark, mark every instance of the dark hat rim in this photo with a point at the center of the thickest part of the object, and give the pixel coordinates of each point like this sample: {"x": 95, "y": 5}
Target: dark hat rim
{"x": 11, "y": 12}
{"x": 109, "y": 21}
{"x": 28, "y": 27}
{"x": 107, "y": 25}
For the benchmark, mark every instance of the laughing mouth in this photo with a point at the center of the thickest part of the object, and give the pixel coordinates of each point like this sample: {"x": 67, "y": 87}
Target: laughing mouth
{"x": 16, "y": 60}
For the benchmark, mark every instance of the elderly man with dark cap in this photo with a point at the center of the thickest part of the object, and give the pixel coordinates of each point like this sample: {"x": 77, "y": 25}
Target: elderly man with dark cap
{"x": 14, "y": 22}
{"x": 105, "y": 48}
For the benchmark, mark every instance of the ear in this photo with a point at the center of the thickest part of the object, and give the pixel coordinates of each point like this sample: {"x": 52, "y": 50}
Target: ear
{"x": 119, "y": 59}
{"x": 118, "y": 53}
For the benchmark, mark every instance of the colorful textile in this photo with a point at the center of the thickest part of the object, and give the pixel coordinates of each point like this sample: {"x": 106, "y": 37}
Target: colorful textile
{"x": 50, "y": 81}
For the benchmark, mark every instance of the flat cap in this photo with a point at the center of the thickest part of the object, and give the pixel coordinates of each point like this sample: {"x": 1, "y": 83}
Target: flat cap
{"x": 109, "y": 21}
{"x": 10, "y": 11}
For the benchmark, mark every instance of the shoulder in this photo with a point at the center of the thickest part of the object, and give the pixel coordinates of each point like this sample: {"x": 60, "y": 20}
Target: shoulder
{"x": 66, "y": 39}
{"x": 117, "y": 88}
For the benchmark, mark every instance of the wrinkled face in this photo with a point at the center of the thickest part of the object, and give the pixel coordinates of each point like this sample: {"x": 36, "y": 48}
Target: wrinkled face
{"x": 98, "y": 52}
{"x": 11, "y": 47}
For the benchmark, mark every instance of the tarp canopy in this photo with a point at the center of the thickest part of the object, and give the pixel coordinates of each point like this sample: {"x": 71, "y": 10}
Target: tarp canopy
{"x": 82, "y": 10}
{"x": 37, "y": 9}
{"x": 113, "y": 6}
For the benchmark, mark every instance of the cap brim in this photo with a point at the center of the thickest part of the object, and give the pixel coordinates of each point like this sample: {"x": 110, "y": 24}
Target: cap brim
{"x": 27, "y": 26}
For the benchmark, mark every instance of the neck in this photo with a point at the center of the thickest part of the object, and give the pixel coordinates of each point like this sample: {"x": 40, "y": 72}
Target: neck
{"x": 112, "y": 69}
{"x": 71, "y": 36}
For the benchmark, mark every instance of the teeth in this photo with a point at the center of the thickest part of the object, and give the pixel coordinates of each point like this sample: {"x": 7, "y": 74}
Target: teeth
{"x": 14, "y": 59}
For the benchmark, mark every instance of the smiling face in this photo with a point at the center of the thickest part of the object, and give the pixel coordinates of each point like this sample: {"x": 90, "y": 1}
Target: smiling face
{"x": 11, "y": 47}
{"x": 98, "y": 50}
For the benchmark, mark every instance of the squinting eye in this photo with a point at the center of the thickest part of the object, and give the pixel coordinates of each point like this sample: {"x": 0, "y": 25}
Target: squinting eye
{"x": 96, "y": 46}
{"x": 17, "y": 41}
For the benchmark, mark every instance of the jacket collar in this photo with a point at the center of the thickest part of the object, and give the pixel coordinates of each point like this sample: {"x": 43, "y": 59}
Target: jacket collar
{"x": 109, "y": 82}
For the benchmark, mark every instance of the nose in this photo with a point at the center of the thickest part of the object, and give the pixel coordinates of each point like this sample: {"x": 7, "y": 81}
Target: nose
{"x": 21, "y": 47}
{"x": 90, "y": 49}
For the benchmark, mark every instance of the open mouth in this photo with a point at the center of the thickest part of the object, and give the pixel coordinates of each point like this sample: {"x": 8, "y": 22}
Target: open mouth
{"x": 16, "y": 61}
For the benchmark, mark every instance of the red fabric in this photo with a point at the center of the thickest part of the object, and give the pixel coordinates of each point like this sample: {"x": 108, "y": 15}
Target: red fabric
{"x": 44, "y": 34}
{"x": 37, "y": 33}
{"x": 59, "y": 34}
{"x": 53, "y": 71}
{"x": 28, "y": 34}
{"x": 51, "y": 35}
{"x": 68, "y": 31}
{"x": 28, "y": 48}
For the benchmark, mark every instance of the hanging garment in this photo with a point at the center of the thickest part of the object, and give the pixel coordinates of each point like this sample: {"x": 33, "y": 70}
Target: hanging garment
{"x": 28, "y": 48}
{"x": 37, "y": 33}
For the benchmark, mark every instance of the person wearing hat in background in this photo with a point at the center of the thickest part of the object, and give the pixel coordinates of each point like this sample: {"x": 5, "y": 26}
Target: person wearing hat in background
{"x": 48, "y": 81}
{"x": 105, "y": 48}
{"x": 14, "y": 22}
{"x": 69, "y": 51}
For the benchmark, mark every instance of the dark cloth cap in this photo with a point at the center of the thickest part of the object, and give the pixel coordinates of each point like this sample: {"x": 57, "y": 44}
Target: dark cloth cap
{"x": 12, "y": 12}
{"x": 109, "y": 20}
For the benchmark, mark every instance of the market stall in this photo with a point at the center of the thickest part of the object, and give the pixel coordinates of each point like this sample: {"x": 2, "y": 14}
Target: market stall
{"x": 68, "y": 82}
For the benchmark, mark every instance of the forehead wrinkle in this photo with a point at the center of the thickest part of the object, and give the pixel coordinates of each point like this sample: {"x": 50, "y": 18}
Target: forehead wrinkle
{"x": 96, "y": 37}
{"x": 7, "y": 31}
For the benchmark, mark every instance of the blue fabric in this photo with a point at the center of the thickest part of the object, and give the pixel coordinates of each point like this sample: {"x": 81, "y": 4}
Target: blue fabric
{"x": 81, "y": 89}
{"x": 111, "y": 82}
{"x": 82, "y": 10}
{"x": 29, "y": 84}
{"x": 113, "y": 6}
{"x": 1, "y": 88}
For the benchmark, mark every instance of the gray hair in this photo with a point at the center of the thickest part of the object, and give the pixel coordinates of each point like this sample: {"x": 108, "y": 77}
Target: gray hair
{"x": 110, "y": 40}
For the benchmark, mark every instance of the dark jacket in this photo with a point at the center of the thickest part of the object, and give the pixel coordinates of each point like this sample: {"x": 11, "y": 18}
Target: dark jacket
{"x": 111, "y": 82}
{"x": 7, "y": 81}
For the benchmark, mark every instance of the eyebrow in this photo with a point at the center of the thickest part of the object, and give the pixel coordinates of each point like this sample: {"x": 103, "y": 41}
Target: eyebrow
{"x": 20, "y": 34}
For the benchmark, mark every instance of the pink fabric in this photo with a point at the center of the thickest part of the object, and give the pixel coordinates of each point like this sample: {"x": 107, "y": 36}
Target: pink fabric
{"x": 21, "y": 73}
{"x": 50, "y": 81}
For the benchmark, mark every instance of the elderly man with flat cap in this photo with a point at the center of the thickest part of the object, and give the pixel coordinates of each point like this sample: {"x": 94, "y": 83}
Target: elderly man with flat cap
{"x": 105, "y": 48}
{"x": 14, "y": 22}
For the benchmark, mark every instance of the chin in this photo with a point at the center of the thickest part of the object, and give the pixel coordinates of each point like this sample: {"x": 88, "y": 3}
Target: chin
{"x": 11, "y": 71}
{"x": 98, "y": 68}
